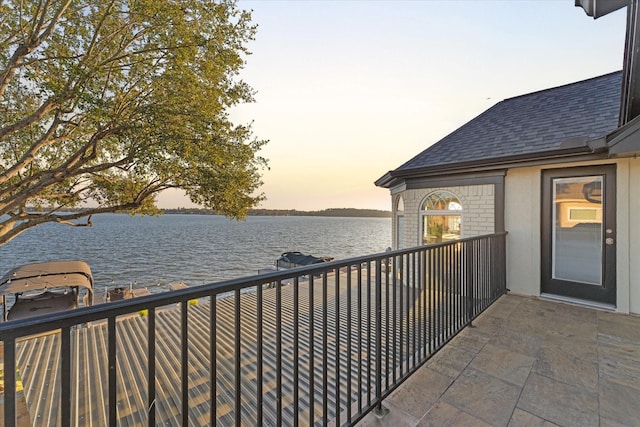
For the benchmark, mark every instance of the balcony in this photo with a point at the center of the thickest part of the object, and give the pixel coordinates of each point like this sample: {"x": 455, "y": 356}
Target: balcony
{"x": 330, "y": 344}
{"x": 528, "y": 362}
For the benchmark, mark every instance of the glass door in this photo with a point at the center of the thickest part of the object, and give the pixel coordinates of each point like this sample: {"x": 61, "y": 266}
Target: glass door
{"x": 578, "y": 230}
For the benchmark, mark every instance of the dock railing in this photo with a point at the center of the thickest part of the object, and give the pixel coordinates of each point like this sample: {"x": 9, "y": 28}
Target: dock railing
{"x": 317, "y": 345}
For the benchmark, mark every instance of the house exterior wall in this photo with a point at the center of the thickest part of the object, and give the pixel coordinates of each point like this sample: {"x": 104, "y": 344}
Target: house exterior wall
{"x": 522, "y": 221}
{"x": 634, "y": 235}
{"x": 478, "y": 216}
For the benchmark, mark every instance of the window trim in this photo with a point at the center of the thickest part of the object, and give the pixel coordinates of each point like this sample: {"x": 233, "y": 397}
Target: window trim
{"x": 440, "y": 212}
{"x": 398, "y": 215}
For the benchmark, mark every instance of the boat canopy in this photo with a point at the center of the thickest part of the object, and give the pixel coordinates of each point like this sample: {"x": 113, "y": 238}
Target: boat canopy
{"x": 45, "y": 275}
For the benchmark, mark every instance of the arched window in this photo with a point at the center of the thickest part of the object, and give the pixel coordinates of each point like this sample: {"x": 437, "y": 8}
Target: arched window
{"x": 399, "y": 223}
{"x": 441, "y": 215}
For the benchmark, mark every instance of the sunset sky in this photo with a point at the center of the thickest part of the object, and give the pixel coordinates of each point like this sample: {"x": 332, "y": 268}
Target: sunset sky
{"x": 348, "y": 90}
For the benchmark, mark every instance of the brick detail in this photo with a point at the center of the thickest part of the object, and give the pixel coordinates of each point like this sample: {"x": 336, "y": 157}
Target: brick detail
{"x": 477, "y": 211}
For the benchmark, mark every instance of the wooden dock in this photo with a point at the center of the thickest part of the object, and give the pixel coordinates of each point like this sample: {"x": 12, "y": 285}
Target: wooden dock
{"x": 38, "y": 360}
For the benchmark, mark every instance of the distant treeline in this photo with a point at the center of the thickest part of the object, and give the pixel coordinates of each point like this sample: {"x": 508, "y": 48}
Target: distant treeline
{"x": 335, "y": 212}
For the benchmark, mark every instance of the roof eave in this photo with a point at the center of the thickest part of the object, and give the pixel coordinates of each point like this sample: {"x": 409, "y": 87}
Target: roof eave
{"x": 393, "y": 178}
{"x": 598, "y": 8}
{"x": 625, "y": 140}
{"x": 385, "y": 180}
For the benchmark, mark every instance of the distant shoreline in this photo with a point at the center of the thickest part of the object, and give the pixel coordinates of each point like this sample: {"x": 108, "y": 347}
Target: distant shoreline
{"x": 333, "y": 212}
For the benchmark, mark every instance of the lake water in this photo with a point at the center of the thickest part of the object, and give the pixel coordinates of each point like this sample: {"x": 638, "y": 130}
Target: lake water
{"x": 196, "y": 249}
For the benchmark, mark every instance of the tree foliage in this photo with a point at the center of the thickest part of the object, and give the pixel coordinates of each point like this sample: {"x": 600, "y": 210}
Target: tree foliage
{"x": 103, "y": 104}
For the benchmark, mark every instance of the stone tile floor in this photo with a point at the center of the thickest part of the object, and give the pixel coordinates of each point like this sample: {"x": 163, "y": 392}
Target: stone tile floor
{"x": 528, "y": 362}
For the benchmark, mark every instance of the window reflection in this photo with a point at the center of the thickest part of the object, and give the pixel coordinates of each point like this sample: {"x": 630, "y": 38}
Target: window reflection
{"x": 441, "y": 218}
{"x": 577, "y": 229}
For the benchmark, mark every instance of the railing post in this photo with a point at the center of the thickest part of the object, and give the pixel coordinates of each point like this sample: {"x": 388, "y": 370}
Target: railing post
{"x": 380, "y": 411}
{"x": 151, "y": 372}
{"x": 112, "y": 378}
{"x": 184, "y": 361}
{"x": 65, "y": 374}
{"x": 503, "y": 259}
{"x": 237, "y": 362}
{"x": 471, "y": 273}
{"x": 9, "y": 382}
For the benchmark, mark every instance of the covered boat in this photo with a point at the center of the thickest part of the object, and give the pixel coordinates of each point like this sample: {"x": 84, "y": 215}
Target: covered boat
{"x": 298, "y": 259}
{"x": 46, "y": 287}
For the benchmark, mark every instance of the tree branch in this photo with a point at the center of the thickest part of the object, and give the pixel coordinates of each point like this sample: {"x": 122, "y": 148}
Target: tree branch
{"x": 33, "y": 186}
{"x": 9, "y": 230}
{"x": 94, "y": 38}
{"x": 45, "y": 108}
{"x": 42, "y": 11}
{"x": 29, "y": 46}
{"x": 75, "y": 224}
{"x": 49, "y": 58}
{"x": 30, "y": 154}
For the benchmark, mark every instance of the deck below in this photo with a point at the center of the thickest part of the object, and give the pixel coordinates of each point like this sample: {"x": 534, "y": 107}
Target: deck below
{"x": 528, "y": 362}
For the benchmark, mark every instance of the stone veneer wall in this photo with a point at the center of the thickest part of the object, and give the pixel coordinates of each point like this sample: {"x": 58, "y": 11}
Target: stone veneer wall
{"x": 477, "y": 211}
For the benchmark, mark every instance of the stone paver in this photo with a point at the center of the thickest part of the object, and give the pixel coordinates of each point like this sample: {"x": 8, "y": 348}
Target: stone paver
{"x": 619, "y": 403}
{"x": 528, "y": 362}
{"x": 619, "y": 362}
{"x": 507, "y": 365}
{"x": 522, "y": 418}
{"x": 483, "y": 396}
{"x": 419, "y": 393}
{"x": 451, "y": 360}
{"x": 624, "y": 327}
{"x": 563, "y": 404}
{"x": 443, "y": 414}
{"x": 525, "y": 344}
{"x": 396, "y": 417}
{"x": 563, "y": 364}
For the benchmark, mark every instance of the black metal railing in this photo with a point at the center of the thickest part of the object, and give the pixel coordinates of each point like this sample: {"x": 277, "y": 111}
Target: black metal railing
{"x": 317, "y": 345}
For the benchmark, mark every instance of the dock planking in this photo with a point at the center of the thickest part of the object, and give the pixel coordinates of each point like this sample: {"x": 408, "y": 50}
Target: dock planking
{"x": 39, "y": 363}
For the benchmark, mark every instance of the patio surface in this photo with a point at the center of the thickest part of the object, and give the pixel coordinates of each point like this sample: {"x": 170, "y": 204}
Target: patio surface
{"x": 528, "y": 362}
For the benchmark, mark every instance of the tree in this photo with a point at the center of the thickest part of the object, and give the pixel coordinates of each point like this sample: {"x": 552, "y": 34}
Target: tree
{"x": 103, "y": 104}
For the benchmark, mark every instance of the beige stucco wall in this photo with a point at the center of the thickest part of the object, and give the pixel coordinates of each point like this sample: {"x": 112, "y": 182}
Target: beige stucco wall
{"x": 634, "y": 235}
{"x": 522, "y": 221}
{"x": 477, "y": 211}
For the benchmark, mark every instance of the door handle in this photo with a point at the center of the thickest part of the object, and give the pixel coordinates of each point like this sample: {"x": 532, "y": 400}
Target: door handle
{"x": 609, "y": 241}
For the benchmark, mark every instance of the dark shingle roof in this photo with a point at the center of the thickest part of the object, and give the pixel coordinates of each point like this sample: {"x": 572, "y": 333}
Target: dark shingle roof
{"x": 533, "y": 123}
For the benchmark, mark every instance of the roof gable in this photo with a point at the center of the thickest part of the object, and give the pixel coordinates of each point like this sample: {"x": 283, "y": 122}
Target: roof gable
{"x": 537, "y": 122}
